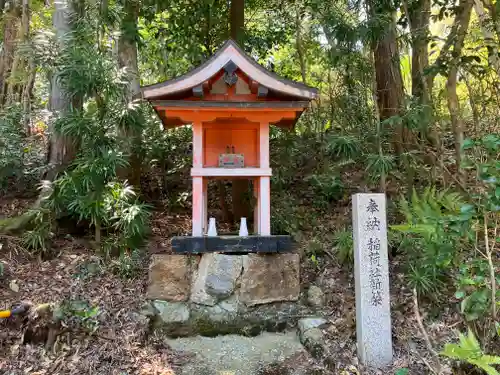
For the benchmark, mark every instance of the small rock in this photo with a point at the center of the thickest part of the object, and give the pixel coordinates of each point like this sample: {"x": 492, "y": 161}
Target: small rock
{"x": 315, "y": 296}
{"x": 314, "y": 342}
{"x": 14, "y": 286}
{"x": 172, "y": 312}
{"x": 306, "y": 324}
{"x": 311, "y": 335}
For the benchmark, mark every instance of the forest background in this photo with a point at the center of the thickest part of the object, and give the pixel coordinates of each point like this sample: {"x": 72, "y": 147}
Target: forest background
{"x": 409, "y": 105}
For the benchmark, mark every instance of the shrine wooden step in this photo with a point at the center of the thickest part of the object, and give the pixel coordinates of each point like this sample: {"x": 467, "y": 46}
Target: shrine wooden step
{"x": 232, "y": 244}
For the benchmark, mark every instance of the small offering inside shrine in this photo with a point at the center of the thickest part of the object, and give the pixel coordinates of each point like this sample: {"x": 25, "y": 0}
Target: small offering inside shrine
{"x": 230, "y": 101}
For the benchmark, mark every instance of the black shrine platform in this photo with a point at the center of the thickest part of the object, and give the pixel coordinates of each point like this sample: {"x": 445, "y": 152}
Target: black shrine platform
{"x": 232, "y": 244}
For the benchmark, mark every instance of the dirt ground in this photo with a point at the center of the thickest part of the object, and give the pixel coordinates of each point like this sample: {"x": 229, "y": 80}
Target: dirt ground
{"x": 122, "y": 342}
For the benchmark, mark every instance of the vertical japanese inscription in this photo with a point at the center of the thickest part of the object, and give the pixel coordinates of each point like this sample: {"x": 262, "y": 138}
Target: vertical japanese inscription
{"x": 375, "y": 276}
{"x": 373, "y": 319}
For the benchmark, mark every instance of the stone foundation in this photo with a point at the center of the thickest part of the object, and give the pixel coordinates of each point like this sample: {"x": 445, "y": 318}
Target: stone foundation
{"x": 216, "y": 293}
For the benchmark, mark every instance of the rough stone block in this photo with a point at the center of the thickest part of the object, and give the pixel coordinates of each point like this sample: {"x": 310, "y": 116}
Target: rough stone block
{"x": 169, "y": 277}
{"x": 172, "y": 312}
{"x": 270, "y": 278}
{"x": 306, "y": 324}
{"x": 215, "y": 278}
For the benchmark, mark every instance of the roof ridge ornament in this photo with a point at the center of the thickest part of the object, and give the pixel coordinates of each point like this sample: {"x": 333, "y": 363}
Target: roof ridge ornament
{"x": 230, "y": 76}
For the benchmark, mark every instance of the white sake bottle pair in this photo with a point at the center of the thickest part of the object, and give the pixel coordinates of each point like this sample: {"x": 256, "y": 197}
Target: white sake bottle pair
{"x": 212, "y": 230}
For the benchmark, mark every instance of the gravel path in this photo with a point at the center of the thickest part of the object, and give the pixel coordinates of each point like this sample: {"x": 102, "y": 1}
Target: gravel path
{"x": 235, "y": 355}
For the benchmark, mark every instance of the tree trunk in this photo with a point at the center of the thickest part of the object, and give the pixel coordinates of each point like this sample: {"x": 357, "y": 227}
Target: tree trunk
{"x": 472, "y": 103}
{"x": 494, "y": 10}
{"x": 237, "y": 20}
{"x": 298, "y": 43}
{"x": 20, "y": 64}
{"x": 490, "y": 40}
{"x": 418, "y": 14}
{"x": 462, "y": 20}
{"x": 127, "y": 58}
{"x": 388, "y": 76}
{"x": 127, "y": 46}
{"x": 10, "y": 34}
{"x": 62, "y": 149}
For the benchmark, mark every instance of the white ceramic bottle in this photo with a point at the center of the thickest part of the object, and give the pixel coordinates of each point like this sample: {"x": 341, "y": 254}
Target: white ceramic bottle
{"x": 212, "y": 230}
{"x": 243, "y": 227}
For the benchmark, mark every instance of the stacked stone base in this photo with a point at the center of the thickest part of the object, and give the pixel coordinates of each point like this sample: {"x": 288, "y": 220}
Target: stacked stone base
{"x": 217, "y": 294}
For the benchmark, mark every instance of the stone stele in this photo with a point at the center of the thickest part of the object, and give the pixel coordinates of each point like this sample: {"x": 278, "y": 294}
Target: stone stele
{"x": 169, "y": 277}
{"x": 371, "y": 271}
{"x": 270, "y": 278}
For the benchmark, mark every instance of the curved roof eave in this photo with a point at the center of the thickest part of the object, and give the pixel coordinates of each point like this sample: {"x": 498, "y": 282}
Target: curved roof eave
{"x": 230, "y": 51}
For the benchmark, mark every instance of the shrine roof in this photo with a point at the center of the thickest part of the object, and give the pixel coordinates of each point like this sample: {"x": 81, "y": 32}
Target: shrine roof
{"x": 230, "y": 58}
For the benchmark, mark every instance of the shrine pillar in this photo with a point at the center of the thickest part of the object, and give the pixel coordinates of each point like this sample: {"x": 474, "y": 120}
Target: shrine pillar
{"x": 264, "y": 191}
{"x": 199, "y": 196}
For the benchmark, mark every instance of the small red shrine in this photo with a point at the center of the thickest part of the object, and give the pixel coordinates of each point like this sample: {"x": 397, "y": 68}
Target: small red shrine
{"x": 230, "y": 101}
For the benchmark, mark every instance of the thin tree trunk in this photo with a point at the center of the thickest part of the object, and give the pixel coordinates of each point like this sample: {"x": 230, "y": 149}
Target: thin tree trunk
{"x": 127, "y": 46}
{"x": 20, "y": 62}
{"x": 62, "y": 149}
{"x": 462, "y": 19}
{"x": 490, "y": 40}
{"x": 493, "y": 9}
{"x": 298, "y": 43}
{"x": 237, "y": 20}
{"x": 10, "y": 35}
{"x": 127, "y": 58}
{"x": 26, "y": 96}
{"x": 418, "y": 15}
{"x": 472, "y": 103}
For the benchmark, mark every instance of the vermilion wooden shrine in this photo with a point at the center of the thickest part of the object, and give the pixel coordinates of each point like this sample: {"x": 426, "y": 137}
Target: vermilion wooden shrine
{"x": 230, "y": 101}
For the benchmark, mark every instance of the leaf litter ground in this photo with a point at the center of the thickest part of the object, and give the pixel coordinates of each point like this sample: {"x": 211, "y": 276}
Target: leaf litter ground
{"x": 122, "y": 342}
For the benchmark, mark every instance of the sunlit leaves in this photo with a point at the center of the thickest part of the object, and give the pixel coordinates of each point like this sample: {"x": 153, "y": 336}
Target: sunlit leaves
{"x": 468, "y": 350}
{"x": 345, "y": 146}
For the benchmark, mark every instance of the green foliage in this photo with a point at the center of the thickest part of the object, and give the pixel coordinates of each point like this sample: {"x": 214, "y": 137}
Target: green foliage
{"x": 482, "y": 156}
{"x": 286, "y": 217}
{"x": 315, "y": 248}
{"x": 90, "y": 189}
{"x": 78, "y": 314}
{"x": 289, "y": 216}
{"x": 37, "y": 238}
{"x": 344, "y": 246}
{"x": 345, "y": 147}
{"x": 128, "y": 265}
{"x": 435, "y": 232}
{"x": 468, "y": 350}
{"x": 20, "y": 157}
{"x": 327, "y": 188}
{"x": 451, "y": 236}
{"x": 474, "y": 289}
{"x": 379, "y": 165}
{"x": 11, "y": 145}
{"x": 402, "y": 371}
